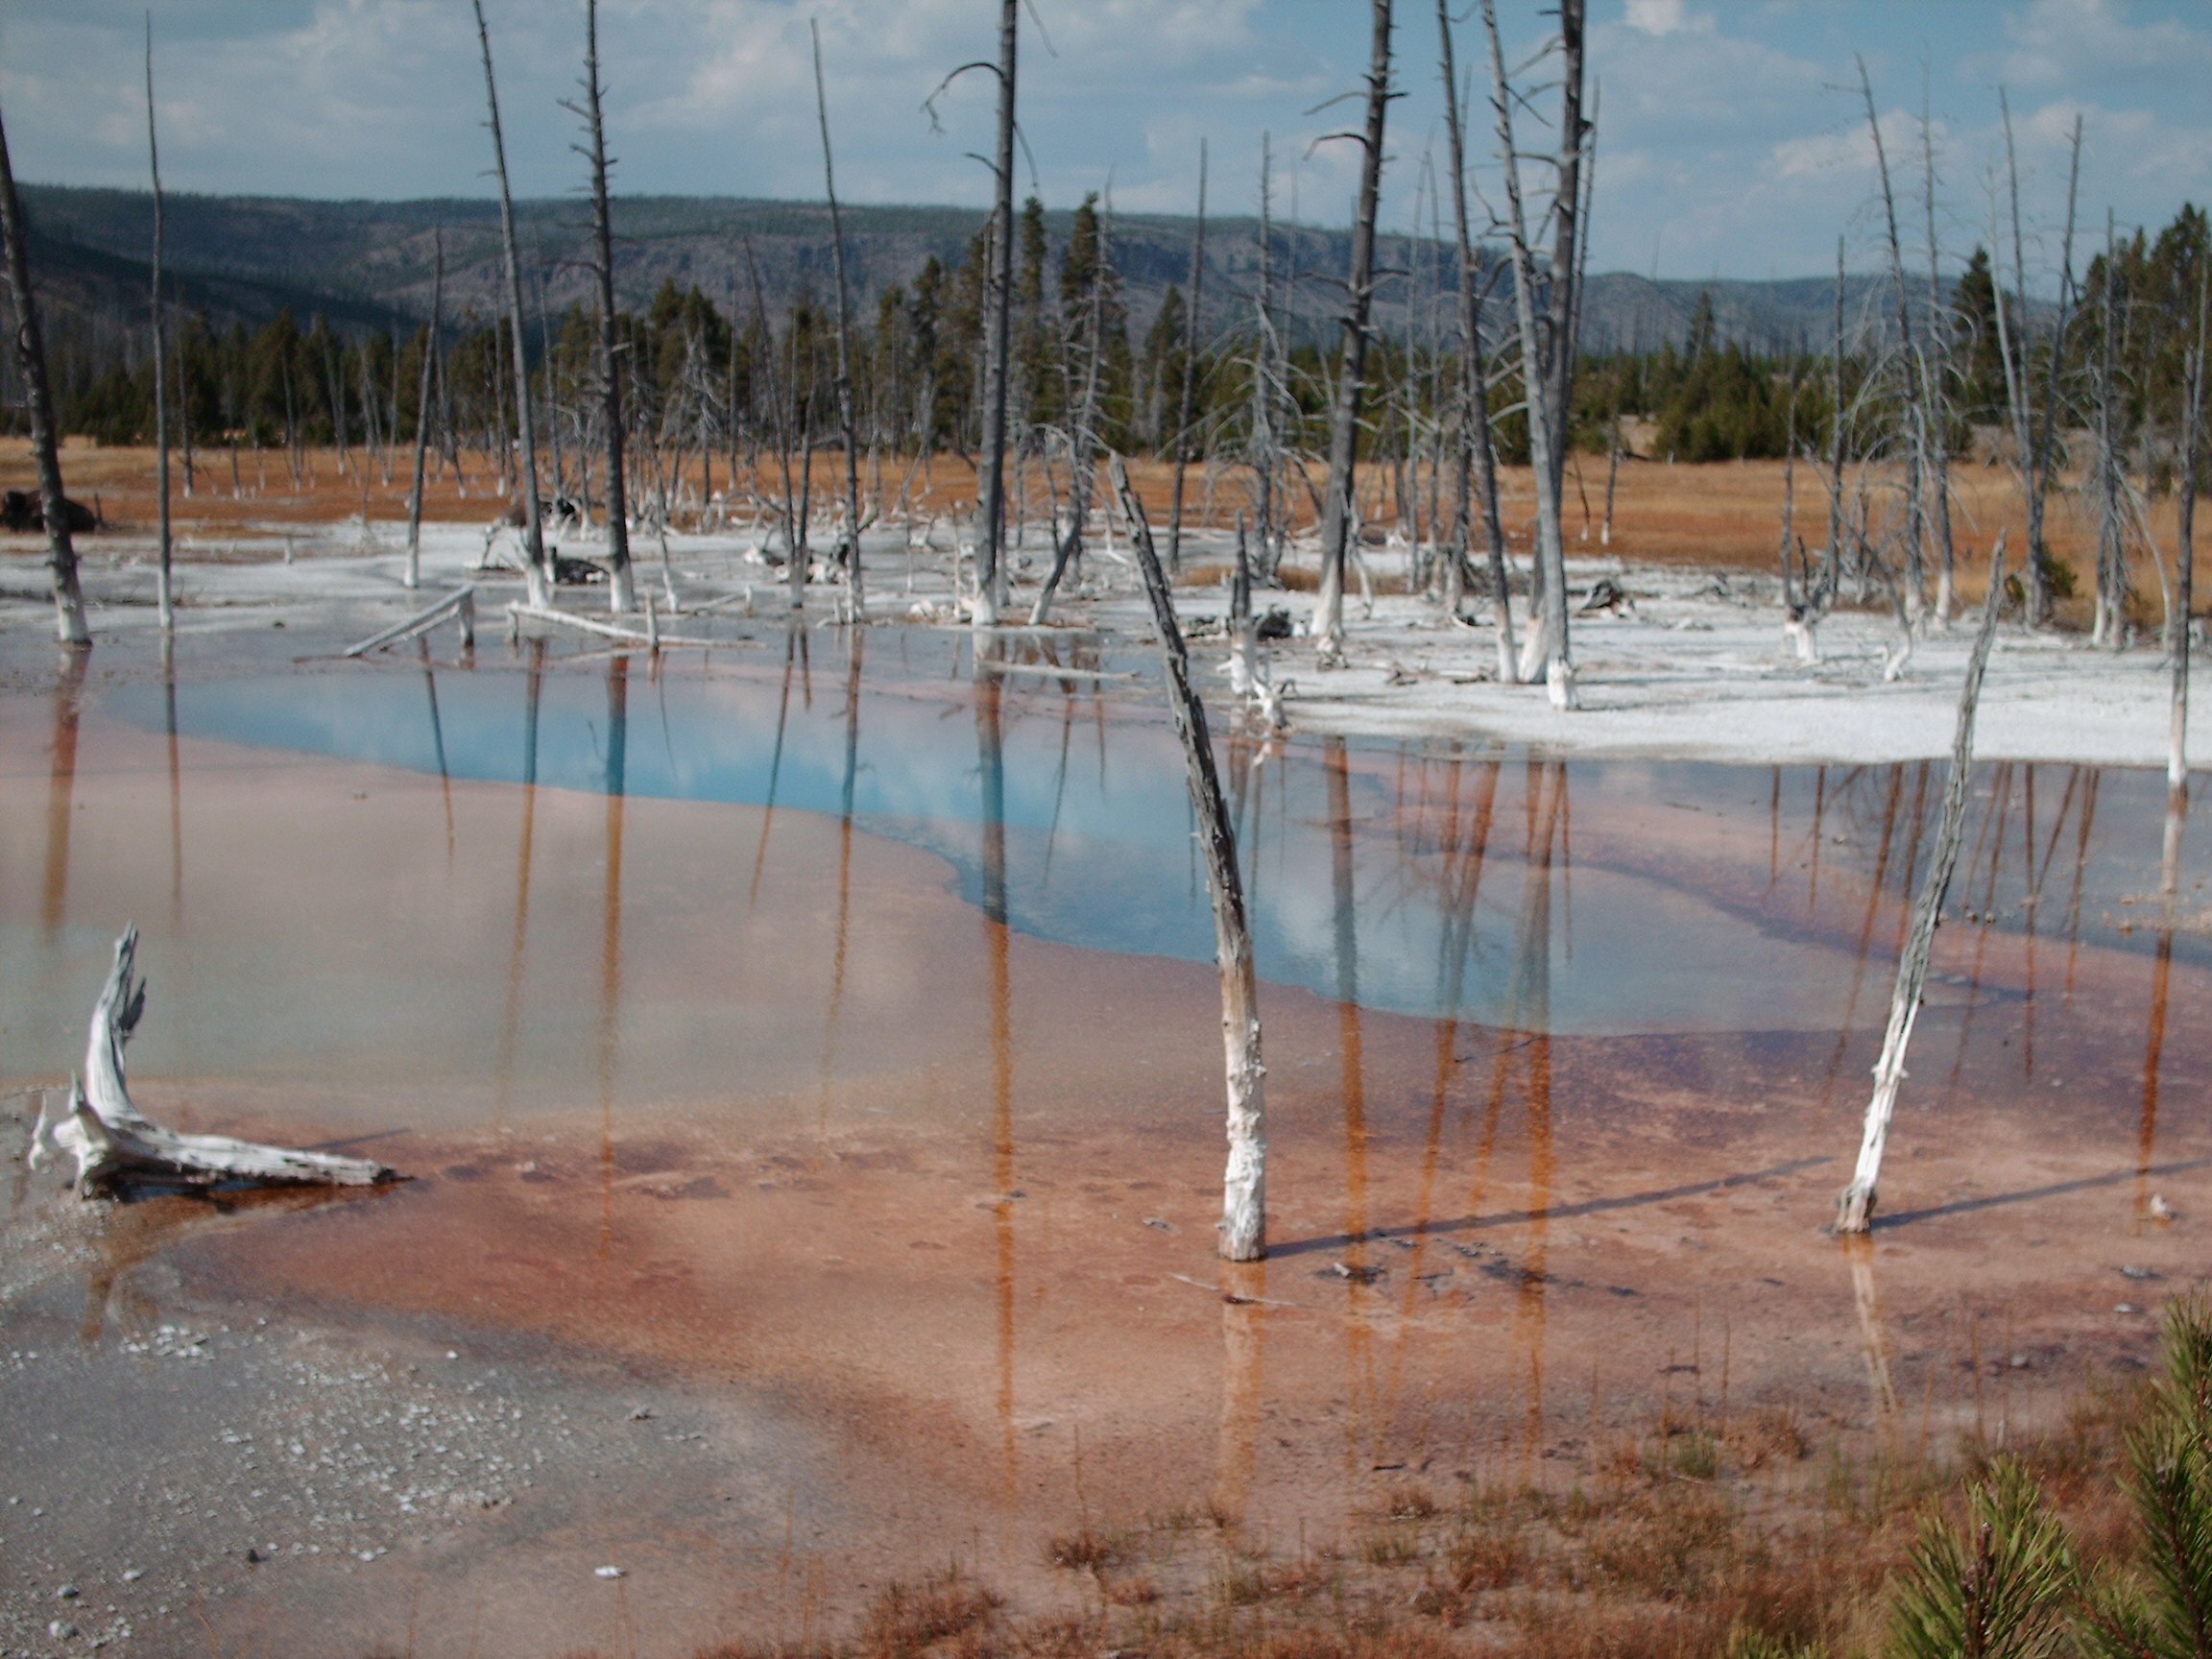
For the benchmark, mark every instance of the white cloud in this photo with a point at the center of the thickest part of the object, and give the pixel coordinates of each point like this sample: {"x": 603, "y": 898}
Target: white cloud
{"x": 1660, "y": 17}
{"x": 2068, "y": 42}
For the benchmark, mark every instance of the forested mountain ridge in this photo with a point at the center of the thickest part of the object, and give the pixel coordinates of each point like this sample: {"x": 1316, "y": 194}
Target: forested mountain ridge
{"x": 369, "y": 264}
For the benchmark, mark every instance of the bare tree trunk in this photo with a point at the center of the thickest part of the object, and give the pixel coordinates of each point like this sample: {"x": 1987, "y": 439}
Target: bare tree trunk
{"x": 1266, "y": 436}
{"x": 621, "y": 596}
{"x": 1547, "y": 649}
{"x": 1832, "y": 576}
{"x": 1569, "y": 257}
{"x": 45, "y": 442}
{"x": 1936, "y": 380}
{"x": 1341, "y": 512}
{"x": 1190, "y": 371}
{"x": 2034, "y": 448}
{"x": 165, "y": 594}
{"x": 1915, "y": 407}
{"x": 1475, "y": 446}
{"x": 990, "y": 538}
{"x": 855, "y": 581}
{"x": 2185, "y": 550}
{"x": 413, "y": 573}
{"x": 2111, "y": 558}
{"x": 540, "y": 576}
{"x": 1854, "y": 1209}
{"x": 1245, "y": 1182}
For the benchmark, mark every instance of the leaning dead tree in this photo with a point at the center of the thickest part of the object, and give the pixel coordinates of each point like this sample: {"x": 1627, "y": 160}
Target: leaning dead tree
{"x": 114, "y": 1145}
{"x": 1340, "y": 515}
{"x": 31, "y": 358}
{"x": 540, "y": 576}
{"x": 1854, "y": 1209}
{"x": 619, "y": 597}
{"x": 1245, "y": 1182}
{"x": 1190, "y": 339}
{"x": 413, "y": 577}
{"x": 1917, "y": 395}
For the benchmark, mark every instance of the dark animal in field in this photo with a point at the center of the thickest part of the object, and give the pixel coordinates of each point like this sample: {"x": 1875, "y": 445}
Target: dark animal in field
{"x": 560, "y": 510}
{"x": 1605, "y": 595}
{"x": 576, "y": 572}
{"x": 1274, "y": 625}
{"x": 21, "y": 511}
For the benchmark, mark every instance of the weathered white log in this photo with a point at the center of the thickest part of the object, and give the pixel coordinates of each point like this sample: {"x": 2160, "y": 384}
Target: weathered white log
{"x": 112, "y": 1144}
{"x": 1245, "y": 1182}
{"x": 1855, "y": 1208}
{"x": 654, "y": 641}
{"x": 461, "y": 603}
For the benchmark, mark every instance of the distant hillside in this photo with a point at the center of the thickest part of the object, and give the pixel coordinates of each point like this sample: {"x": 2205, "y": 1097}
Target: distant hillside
{"x": 368, "y": 264}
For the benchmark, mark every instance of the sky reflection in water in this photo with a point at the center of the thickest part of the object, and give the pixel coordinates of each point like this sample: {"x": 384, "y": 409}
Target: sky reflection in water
{"x": 1394, "y": 876}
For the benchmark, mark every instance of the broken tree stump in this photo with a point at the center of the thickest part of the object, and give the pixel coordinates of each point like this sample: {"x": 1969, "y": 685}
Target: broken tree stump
{"x": 113, "y": 1146}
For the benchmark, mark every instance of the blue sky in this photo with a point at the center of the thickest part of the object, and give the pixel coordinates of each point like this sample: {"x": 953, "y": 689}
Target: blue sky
{"x": 1732, "y": 140}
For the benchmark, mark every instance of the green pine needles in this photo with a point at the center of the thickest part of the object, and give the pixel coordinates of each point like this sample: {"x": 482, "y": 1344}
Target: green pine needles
{"x": 2007, "y": 1584}
{"x": 1998, "y": 1588}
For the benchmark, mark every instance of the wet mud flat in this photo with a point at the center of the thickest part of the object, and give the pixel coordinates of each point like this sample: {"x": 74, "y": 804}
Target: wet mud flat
{"x": 793, "y": 1211}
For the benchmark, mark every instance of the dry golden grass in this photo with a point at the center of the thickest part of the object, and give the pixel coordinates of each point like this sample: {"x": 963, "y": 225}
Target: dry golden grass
{"x": 1769, "y": 1551}
{"x": 1721, "y": 515}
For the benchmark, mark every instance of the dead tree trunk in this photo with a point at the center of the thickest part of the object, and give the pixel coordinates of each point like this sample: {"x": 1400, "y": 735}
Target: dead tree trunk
{"x": 113, "y": 1146}
{"x": 414, "y": 574}
{"x": 540, "y": 575}
{"x": 1570, "y": 253}
{"x": 1339, "y": 526}
{"x": 990, "y": 538}
{"x": 69, "y": 624}
{"x": 2034, "y": 446}
{"x": 1475, "y": 449}
{"x": 164, "y": 591}
{"x": 1915, "y": 406}
{"x": 1245, "y": 1182}
{"x": 1546, "y": 650}
{"x": 2185, "y": 547}
{"x": 621, "y": 584}
{"x": 1854, "y": 1209}
{"x": 2112, "y": 534}
{"x": 1934, "y": 384}
{"x": 1190, "y": 371}
{"x": 857, "y": 588}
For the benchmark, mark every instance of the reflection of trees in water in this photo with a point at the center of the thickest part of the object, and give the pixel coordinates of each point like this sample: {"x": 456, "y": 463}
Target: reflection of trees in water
{"x": 794, "y": 654}
{"x": 991, "y": 762}
{"x": 613, "y": 782}
{"x": 437, "y": 741}
{"x": 1531, "y": 1014}
{"x": 1453, "y": 824}
{"x": 855, "y": 648}
{"x": 175, "y": 784}
{"x": 60, "y": 794}
{"x": 134, "y": 1233}
{"x": 1873, "y": 1340}
{"x": 1363, "y": 1420}
{"x": 2161, "y": 976}
{"x": 510, "y": 1014}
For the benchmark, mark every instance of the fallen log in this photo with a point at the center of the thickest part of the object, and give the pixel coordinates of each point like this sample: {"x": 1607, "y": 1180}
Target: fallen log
{"x": 652, "y": 639}
{"x": 114, "y": 1145}
{"x": 460, "y": 603}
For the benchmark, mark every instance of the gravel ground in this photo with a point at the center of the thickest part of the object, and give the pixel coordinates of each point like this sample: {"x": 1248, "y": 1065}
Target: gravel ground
{"x": 180, "y": 1469}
